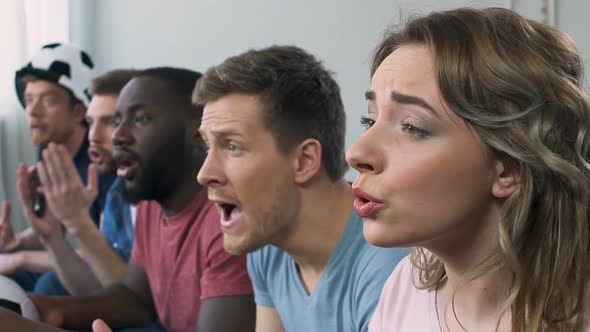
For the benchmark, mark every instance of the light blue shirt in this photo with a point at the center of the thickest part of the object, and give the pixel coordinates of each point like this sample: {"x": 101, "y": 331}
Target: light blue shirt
{"x": 346, "y": 294}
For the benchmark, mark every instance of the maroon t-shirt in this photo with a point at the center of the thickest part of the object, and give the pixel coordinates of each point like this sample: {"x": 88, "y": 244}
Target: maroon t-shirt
{"x": 185, "y": 262}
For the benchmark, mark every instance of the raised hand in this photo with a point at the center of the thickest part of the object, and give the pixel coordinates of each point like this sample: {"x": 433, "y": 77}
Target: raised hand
{"x": 8, "y": 240}
{"x": 47, "y": 227}
{"x": 64, "y": 191}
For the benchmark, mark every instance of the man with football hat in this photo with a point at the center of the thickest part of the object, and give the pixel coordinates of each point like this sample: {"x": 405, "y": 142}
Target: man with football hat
{"x": 52, "y": 87}
{"x": 179, "y": 271}
{"x": 106, "y": 251}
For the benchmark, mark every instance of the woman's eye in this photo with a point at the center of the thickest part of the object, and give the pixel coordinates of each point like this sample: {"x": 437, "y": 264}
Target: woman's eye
{"x": 367, "y": 122}
{"x": 414, "y": 131}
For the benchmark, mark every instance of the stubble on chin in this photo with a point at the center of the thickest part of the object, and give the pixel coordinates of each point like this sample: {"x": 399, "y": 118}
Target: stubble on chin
{"x": 240, "y": 248}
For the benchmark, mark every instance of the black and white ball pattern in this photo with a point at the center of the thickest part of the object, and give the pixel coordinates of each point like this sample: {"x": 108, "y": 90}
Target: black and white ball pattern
{"x": 14, "y": 298}
{"x": 63, "y": 64}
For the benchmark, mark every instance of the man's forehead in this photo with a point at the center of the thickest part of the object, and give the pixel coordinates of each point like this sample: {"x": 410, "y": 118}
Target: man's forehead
{"x": 144, "y": 90}
{"x": 216, "y": 118}
{"x": 40, "y": 85}
{"x": 102, "y": 105}
{"x": 234, "y": 106}
{"x": 220, "y": 124}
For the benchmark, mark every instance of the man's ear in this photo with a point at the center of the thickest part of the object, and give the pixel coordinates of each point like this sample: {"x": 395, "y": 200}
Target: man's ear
{"x": 194, "y": 128}
{"x": 507, "y": 177}
{"x": 192, "y": 131}
{"x": 79, "y": 112}
{"x": 308, "y": 160}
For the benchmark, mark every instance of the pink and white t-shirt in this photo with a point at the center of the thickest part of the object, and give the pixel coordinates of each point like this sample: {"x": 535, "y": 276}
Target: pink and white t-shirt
{"x": 402, "y": 307}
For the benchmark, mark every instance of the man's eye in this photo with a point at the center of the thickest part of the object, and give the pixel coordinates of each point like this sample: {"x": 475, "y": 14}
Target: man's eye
{"x": 232, "y": 147}
{"x": 142, "y": 120}
{"x": 49, "y": 101}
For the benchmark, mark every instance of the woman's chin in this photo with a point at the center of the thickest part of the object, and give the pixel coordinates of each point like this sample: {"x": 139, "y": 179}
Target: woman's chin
{"x": 376, "y": 235}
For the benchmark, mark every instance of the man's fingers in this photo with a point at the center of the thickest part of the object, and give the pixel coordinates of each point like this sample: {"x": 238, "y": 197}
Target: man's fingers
{"x": 5, "y": 215}
{"x": 5, "y": 226}
{"x": 23, "y": 184}
{"x": 54, "y": 168}
{"x": 43, "y": 176}
{"x": 92, "y": 186}
{"x": 100, "y": 326}
{"x": 66, "y": 163}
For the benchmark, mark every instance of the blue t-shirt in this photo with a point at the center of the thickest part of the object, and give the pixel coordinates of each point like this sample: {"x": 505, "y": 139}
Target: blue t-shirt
{"x": 117, "y": 228}
{"x": 346, "y": 294}
{"x": 117, "y": 225}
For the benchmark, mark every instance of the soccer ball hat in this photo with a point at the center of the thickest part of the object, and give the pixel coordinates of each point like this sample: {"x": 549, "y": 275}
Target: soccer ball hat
{"x": 63, "y": 64}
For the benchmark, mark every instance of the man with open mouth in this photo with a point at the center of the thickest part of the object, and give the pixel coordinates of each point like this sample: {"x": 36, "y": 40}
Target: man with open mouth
{"x": 105, "y": 251}
{"x": 274, "y": 124}
{"x": 179, "y": 271}
{"x": 53, "y": 89}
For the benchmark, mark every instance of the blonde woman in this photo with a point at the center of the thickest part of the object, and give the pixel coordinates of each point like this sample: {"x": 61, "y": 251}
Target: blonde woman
{"x": 476, "y": 155}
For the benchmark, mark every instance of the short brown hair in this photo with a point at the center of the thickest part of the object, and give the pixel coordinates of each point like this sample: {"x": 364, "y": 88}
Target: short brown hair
{"x": 112, "y": 82}
{"x": 301, "y": 99}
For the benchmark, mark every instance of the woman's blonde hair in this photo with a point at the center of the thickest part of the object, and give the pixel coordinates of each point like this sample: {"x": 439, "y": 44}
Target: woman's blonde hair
{"x": 518, "y": 83}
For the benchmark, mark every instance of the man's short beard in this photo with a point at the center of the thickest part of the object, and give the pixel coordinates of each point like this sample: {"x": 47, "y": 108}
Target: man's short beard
{"x": 109, "y": 169}
{"x": 135, "y": 195}
{"x": 146, "y": 186}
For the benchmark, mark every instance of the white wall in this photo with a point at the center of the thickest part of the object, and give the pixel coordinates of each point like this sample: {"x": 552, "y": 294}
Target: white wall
{"x": 572, "y": 18}
{"x": 200, "y": 33}
{"x": 25, "y": 25}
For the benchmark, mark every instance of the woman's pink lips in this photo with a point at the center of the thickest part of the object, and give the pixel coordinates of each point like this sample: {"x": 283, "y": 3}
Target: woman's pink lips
{"x": 359, "y": 193}
{"x": 365, "y": 205}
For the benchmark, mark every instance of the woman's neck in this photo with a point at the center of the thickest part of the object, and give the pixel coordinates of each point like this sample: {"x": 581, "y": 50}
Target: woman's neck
{"x": 473, "y": 294}
{"x": 474, "y": 302}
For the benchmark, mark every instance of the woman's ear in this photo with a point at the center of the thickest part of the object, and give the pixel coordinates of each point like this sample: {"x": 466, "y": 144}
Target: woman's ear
{"x": 507, "y": 178}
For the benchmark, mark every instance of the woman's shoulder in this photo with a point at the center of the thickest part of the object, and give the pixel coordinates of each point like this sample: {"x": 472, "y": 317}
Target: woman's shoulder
{"x": 403, "y": 306}
{"x": 400, "y": 283}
